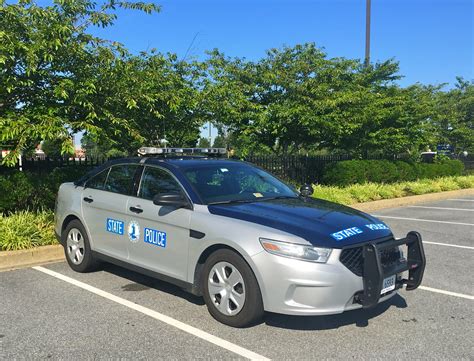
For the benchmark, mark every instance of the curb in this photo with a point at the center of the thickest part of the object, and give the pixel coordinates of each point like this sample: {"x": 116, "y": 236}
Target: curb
{"x": 10, "y": 260}
{"x": 409, "y": 200}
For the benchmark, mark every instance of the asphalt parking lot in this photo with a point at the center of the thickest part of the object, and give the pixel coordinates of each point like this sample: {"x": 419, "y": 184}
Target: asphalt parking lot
{"x": 114, "y": 313}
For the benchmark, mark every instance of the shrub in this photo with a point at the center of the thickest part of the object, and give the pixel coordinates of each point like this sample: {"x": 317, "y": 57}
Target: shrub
{"x": 25, "y": 190}
{"x": 372, "y": 191}
{"x": 384, "y": 171}
{"x": 364, "y": 192}
{"x": 333, "y": 194}
{"x": 447, "y": 184}
{"x": 23, "y": 230}
{"x": 465, "y": 182}
{"x": 16, "y": 190}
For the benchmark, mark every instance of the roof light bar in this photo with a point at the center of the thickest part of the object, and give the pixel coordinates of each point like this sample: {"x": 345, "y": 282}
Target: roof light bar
{"x": 144, "y": 151}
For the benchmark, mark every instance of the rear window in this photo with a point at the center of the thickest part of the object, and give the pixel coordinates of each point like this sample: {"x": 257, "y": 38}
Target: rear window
{"x": 98, "y": 181}
{"x": 120, "y": 179}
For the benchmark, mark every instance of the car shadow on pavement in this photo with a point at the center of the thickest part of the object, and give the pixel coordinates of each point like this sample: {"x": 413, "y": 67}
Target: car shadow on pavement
{"x": 140, "y": 282}
{"x": 359, "y": 317}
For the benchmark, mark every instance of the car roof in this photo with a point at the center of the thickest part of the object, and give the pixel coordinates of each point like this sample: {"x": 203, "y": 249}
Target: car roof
{"x": 177, "y": 162}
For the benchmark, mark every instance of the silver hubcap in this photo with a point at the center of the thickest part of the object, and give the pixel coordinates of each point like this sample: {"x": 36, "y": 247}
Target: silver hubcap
{"x": 75, "y": 246}
{"x": 226, "y": 288}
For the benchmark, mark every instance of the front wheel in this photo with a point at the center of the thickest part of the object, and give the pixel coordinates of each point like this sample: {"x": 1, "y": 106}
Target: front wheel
{"x": 231, "y": 291}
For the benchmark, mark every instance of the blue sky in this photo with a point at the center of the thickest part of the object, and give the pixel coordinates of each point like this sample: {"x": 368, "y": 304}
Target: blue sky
{"x": 432, "y": 39}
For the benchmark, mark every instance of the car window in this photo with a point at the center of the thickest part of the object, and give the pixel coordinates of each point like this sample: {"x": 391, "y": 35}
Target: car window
{"x": 120, "y": 179}
{"x": 156, "y": 181}
{"x": 236, "y": 182}
{"x": 98, "y": 181}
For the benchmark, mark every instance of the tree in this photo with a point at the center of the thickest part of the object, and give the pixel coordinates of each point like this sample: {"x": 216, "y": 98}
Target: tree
{"x": 204, "y": 143}
{"x": 299, "y": 100}
{"x": 170, "y": 103}
{"x": 101, "y": 147}
{"x": 50, "y": 71}
{"x": 219, "y": 142}
{"x": 54, "y": 148}
{"x": 454, "y": 118}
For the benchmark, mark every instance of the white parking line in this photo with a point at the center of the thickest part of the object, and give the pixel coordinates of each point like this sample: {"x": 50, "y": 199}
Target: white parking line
{"x": 449, "y": 293}
{"x": 444, "y": 208}
{"x": 424, "y": 220}
{"x": 158, "y": 316}
{"x": 448, "y": 245}
{"x": 461, "y": 200}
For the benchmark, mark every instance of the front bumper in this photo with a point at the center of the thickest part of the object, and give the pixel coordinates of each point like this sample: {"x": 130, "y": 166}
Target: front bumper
{"x": 297, "y": 287}
{"x": 375, "y": 273}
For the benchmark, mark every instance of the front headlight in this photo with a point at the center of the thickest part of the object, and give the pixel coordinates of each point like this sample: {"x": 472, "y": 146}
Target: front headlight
{"x": 298, "y": 251}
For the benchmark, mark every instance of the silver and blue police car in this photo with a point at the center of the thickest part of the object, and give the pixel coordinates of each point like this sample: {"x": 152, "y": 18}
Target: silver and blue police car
{"x": 234, "y": 234}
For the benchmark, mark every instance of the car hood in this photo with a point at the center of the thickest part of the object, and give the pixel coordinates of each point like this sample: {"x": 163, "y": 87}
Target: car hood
{"x": 322, "y": 223}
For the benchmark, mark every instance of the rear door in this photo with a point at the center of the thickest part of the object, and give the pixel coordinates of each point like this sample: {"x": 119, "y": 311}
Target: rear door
{"x": 158, "y": 235}
{"x": 104, "y": 208}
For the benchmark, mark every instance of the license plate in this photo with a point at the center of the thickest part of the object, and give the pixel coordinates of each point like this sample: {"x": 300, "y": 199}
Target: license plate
{"x": 388, "y": 284}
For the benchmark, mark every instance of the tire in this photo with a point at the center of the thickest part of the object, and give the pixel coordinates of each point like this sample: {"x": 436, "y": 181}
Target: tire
{"x": 231, "y": 291}
{"x": 77, "y": 248}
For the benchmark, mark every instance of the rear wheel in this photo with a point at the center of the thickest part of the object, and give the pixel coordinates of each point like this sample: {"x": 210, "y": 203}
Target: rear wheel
{"x": 77, "y": 248}
{"x": 231, "y": 291}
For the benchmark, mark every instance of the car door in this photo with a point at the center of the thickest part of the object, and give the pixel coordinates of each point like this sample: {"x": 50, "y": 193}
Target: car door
{"x": 158, "y": 235}
{"x": 104, "y": 209}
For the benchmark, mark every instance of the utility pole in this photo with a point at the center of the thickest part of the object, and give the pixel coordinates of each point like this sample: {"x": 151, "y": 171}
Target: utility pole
{"x": 367, "y": 33}
{"x": 210, "y": 134}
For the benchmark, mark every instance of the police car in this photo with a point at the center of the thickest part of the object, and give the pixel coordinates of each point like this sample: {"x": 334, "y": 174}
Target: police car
{"x": 234, "y": 234}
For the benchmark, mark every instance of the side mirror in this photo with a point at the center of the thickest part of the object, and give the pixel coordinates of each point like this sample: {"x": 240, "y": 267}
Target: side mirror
{"x": 306, "y": 190}
{"x": 175, "y": 200}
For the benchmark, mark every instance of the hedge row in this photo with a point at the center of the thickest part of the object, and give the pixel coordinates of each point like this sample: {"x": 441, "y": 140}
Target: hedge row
{"x": 383, "y": 171}
{"x": 357, "y": 193}
{"x": 24, "y": 190}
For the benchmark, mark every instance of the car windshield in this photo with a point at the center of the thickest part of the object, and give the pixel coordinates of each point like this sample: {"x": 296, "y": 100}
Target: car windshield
{"x": 231, "y": 183}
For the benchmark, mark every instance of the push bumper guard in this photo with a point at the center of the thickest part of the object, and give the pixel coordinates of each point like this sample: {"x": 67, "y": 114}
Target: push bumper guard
{"x": 374, "y": 272}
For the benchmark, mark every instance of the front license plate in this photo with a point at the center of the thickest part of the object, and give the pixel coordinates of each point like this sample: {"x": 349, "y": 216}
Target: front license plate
{"x": 388, "y": 284}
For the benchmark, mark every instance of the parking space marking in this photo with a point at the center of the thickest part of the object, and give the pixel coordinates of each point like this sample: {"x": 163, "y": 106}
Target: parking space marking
{"x": 444, "y": 208}
{"x": 448, "y": 245}
{"x": 461, "y": 200}
{"x": 158, "y": 316}
{"x": 423, "y": 220}
{"x": 449, "y": 293}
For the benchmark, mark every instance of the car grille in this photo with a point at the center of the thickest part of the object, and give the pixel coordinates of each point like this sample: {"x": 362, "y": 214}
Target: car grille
{"x": 353, "y": 259}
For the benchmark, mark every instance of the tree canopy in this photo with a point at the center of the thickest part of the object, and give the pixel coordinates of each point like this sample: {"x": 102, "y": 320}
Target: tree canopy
{"x": 57, "y": 80}
{"x": 297, "y": 99}
{"x": 53, "y": 73}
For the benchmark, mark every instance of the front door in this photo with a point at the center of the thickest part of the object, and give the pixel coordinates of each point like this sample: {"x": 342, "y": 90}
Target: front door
{"x": 158, "y": 235}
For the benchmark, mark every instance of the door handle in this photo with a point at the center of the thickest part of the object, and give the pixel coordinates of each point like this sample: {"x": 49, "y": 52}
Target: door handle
{"x": 88, "y": 200}
{"x": 136, "y": 209}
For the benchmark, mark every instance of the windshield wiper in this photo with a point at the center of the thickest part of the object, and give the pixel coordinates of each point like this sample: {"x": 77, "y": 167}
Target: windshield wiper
{"x": 279, "y": 197}
{"x": 234, "y": 201}
{"x": 251, "y": 200}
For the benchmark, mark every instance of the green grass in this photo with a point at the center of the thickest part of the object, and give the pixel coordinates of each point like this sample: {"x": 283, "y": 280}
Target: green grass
{"x": 367, "y": 192}
{"x": 23, "y": 230}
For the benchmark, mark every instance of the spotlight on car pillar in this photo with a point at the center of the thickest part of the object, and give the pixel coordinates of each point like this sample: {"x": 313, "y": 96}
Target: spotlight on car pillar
{"x": 306, "y": 190}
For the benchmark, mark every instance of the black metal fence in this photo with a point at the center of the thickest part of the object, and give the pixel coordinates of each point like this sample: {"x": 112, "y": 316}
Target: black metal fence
{"x": 295, "y": 168}
{"x": 305, "y": 169}
{"x": 299, "y": 169}
{"x": 45, "y": 165}
{"x": 468, "y": 162}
